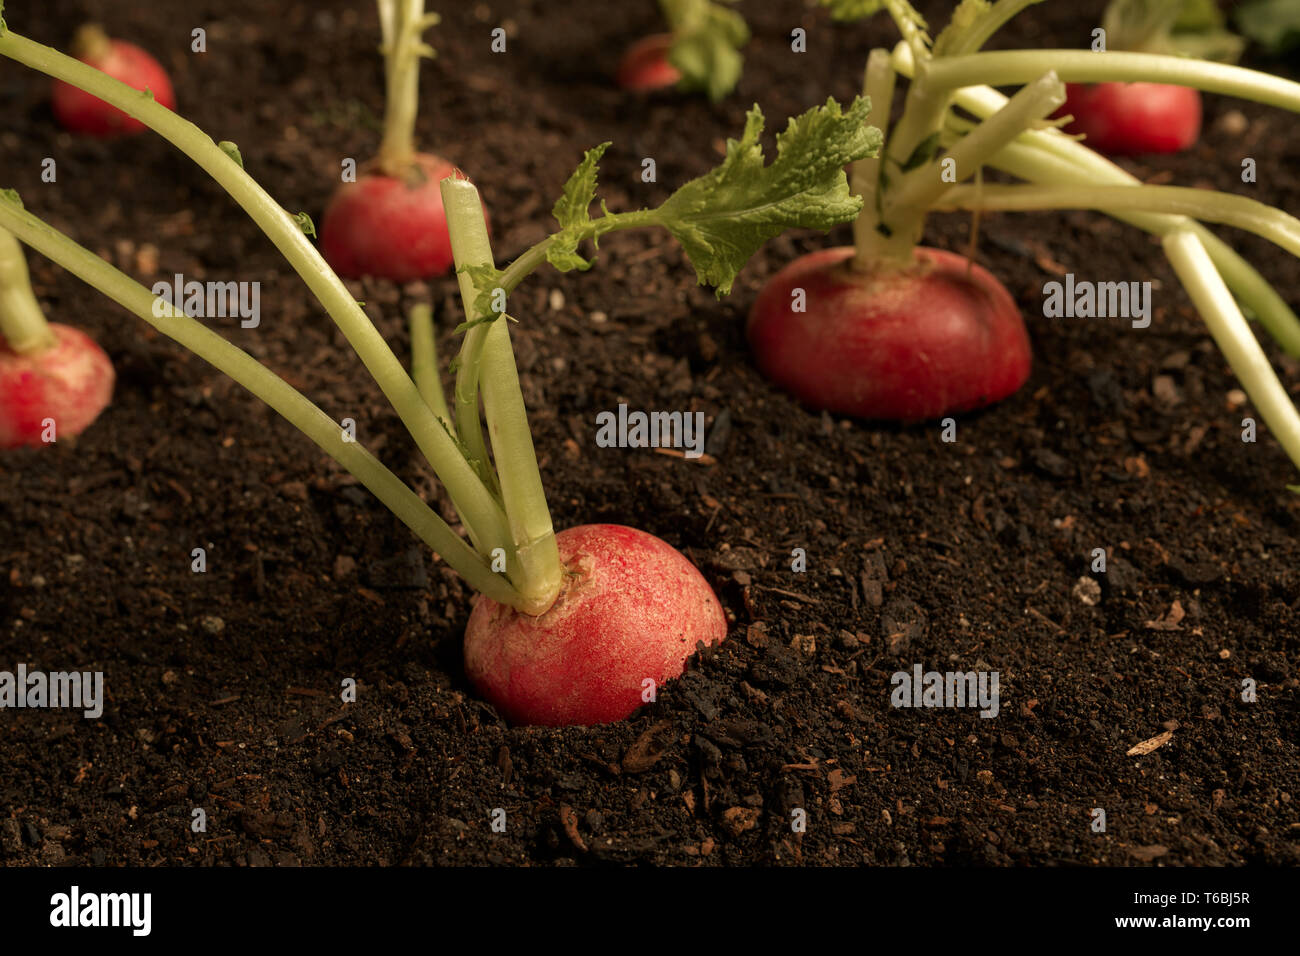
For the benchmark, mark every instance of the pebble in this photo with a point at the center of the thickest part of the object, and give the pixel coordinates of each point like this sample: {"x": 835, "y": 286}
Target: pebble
{"x": 1087, "y": 591}
{"x": 213, "y": 624}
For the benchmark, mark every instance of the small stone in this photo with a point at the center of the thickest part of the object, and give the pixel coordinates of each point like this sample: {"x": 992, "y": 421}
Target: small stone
{"x": 1233, "y": 123}
{"x": 737, "y": 820}
{"x": 555, "y": 300}
{"x": 1087, "y": 591}
{"x": 599, "y": 318}
{"x": 213, "y": 624}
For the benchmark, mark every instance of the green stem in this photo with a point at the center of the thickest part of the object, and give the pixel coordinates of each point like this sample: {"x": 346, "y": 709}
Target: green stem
{"x": 1232, "y": 333}
{"x": 1015, "y": 67}
{"x": 535, "y": 256}
{"x": 1250, "y": 288}
{"x": 1203, "y": 204}
{"x": 424, "y": 361}
{"x": 403, "y": 22}
{"x": 906, "y": 204}
{"x": 479, "y": 512}
{"x": 1049, "y": 156}
{"x": 538, "y": 574}
{"x": 267, "y": 386}
{"x": 22, "y": 323}
{"x": 993, "y": 19}
{"x": 878, "y": 87}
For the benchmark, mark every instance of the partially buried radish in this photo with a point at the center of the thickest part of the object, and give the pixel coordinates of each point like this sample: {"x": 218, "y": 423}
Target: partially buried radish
{"x": 645, "y": 65}
{"x": 1124, "y": 119}
{"x": 80, "y": 112}
{"x": 389, "y": 223}
{"x": 54, "y": 379}
{"x": 632, "y": 610}
{"x": 907, "y": 344}
{"x": 700, "y": 53}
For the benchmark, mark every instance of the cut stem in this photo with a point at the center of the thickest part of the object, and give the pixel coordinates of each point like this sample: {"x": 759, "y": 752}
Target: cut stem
{"x": 22, "y": 323}
{"x": 267, "y": 386}
{"x": 480, "y": 513}
{"x": 537, "y": 569}
{"x": 1232, "y": 334}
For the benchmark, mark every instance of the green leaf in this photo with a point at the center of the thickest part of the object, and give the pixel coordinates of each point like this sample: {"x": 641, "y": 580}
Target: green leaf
{"x": 305, "y": 224}
{"x": 722, "y": 218}
{"x": 487, "y": 279}
{"x": 231, "y": 150}
{"x": 853, "y": 9}
{"x": 1172, "y": 27}
{"x": 580, "y": 191}
{"x": 1274, "y": 24}
{"x": 707, "y": 38}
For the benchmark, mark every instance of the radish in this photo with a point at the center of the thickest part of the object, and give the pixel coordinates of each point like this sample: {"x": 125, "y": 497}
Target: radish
{"x": 54, "y": 379}
{"x": 390, "y": 223}
{"x": 1123, "y": 119}
{"x": 392, "y": 227}
{"x": 645, "y": 65}
{"x": 80, "y": 112}
{"x": 630, "y": 613}
{"x": 891, "y": 329}
{"x": 701, "y": 51}
{"x": 910, "y": 344}
{"x": 619, "y": 607}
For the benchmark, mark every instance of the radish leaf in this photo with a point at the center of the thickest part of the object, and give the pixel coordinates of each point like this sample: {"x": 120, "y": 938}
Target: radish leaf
{"x": 723, "y": 217}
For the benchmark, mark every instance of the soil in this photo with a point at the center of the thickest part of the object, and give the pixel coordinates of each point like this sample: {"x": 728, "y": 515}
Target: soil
{"x": 224, "y": 687}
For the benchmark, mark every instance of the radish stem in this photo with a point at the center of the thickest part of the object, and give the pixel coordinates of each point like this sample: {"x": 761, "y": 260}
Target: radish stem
{"x": 878, "y": 87}
{"x": 1013, "y": 67}
{"x": 1203, "y": 204}
{"x": 482, "y": 516}
{"x": 538, "y": 571}
{"x": 402, "y": 22}
{"x": 917, "y": 193}
{"x": 268, "y": 387}
{"x": 22, "y": 323}
{"x": 424, "y": 362}
{"x": 1232, "y": 334}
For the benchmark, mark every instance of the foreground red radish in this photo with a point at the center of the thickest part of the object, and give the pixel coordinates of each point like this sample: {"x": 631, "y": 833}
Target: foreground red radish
{"x": 54, "y": 379}
{"x": 941, "y": 337}
{"x": 632, "y": 610}
{"x": 645, "y": 65}
{"x": 700, "y": 53}
{"x": 1124, "y": 119}
{"x": 80, "y": 112}
{"x": 390, "y": 223}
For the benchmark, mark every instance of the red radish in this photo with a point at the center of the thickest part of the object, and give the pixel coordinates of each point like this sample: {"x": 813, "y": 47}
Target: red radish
{"x": 80, "y": 112}
{"x": 645, "y": 65}
{"x": 390, "y": 223}
{"x": 69, "y": 382}
{"x": 941, "y": 337}
{"x": 390, "y": 227}
{"x": 632, "y": 608}
{"x": 1124, "y": 119}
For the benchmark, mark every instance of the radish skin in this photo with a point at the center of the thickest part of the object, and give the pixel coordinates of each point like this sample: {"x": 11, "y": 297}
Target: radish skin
{"x": 645, "y": 65}
{"x": 940, "y": 337}
{"x": 70, "y": 382}
{"x": 81, "y": 112}
{"x": 389, "y": 227}
{"x": 633, "y": 608}
{"x": 1125, "y": 119}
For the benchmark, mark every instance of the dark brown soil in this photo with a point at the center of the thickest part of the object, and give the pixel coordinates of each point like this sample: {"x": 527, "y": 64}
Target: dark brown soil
{"x": 224, "y": 686}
